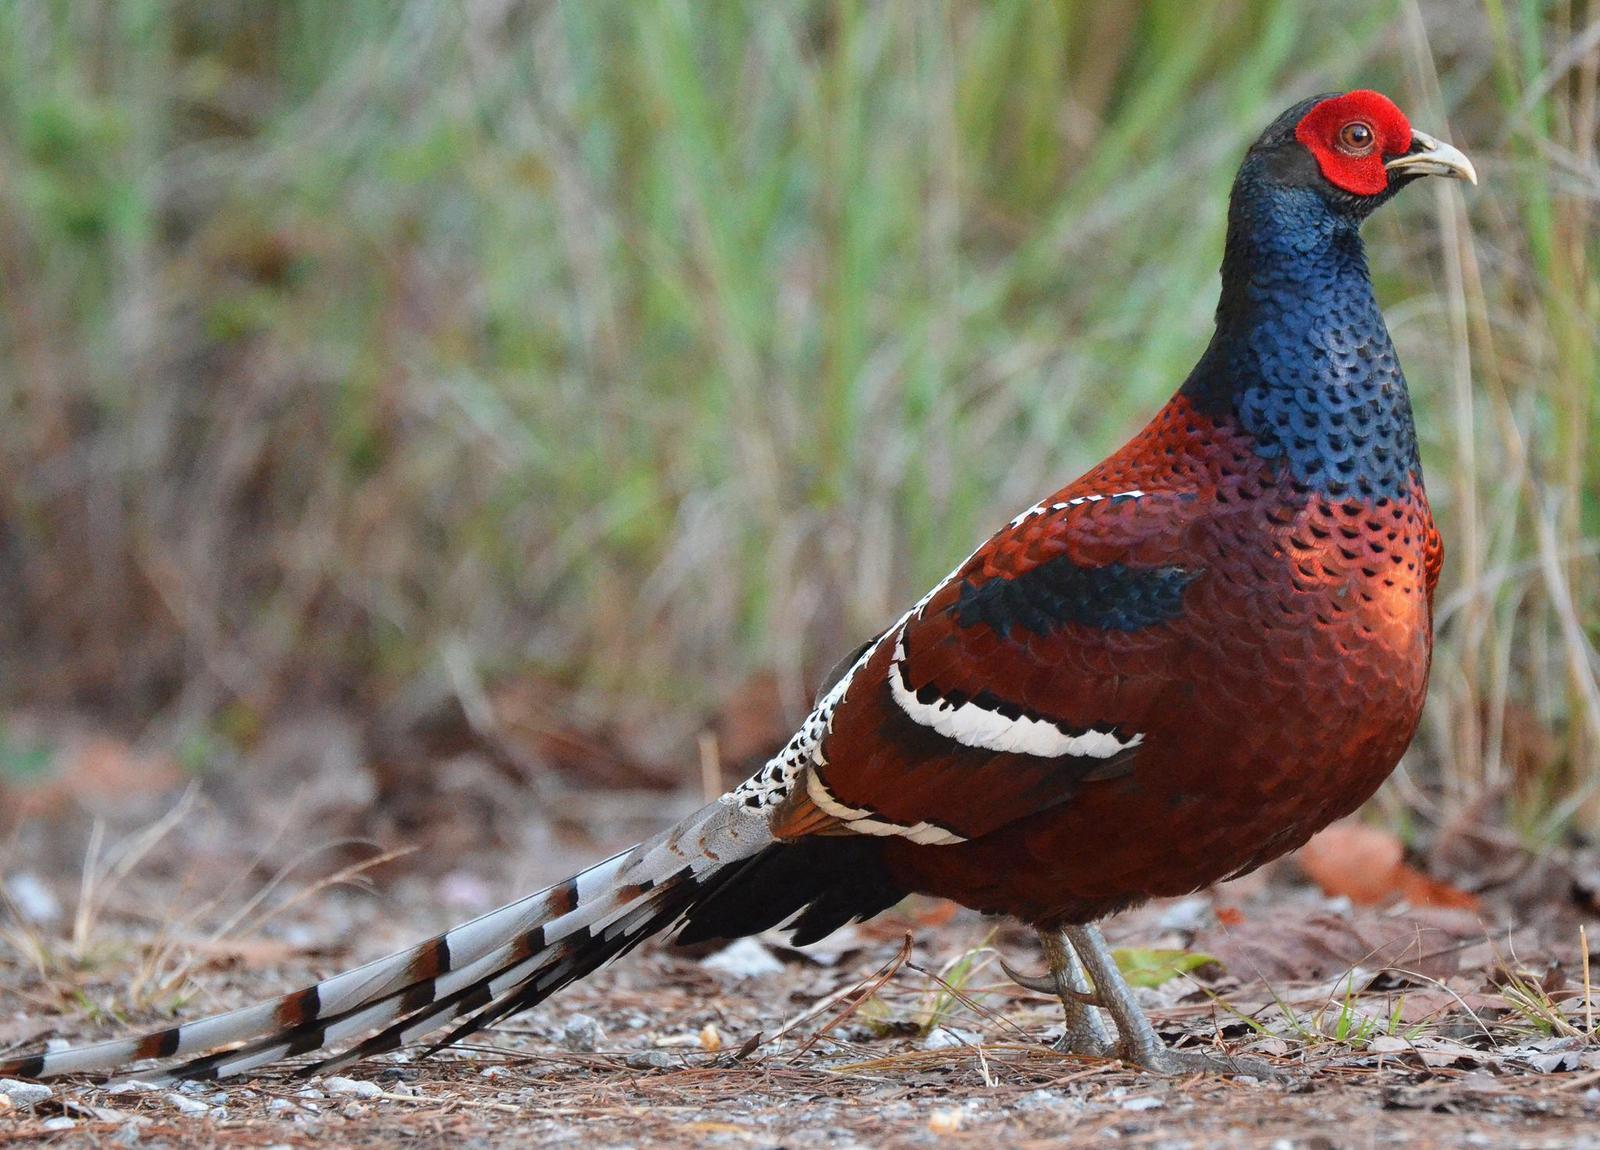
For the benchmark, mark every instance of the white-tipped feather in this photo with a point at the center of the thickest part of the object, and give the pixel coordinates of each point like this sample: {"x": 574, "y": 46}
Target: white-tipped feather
{"x": 613, "y": 901}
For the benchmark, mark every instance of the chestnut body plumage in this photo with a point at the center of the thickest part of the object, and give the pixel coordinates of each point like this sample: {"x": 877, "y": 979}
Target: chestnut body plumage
{"x": 1170, "y": 671}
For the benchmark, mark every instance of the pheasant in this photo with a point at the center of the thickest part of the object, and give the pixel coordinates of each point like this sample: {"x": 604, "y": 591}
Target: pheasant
{"x": 1172, "y": 670}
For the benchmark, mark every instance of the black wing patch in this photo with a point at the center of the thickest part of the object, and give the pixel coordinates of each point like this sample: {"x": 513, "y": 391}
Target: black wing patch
{"x": 1059, "y": 592}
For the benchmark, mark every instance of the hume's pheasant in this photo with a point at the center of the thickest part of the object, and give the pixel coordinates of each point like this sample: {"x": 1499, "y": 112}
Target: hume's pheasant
{"x": 1172, "y": 670}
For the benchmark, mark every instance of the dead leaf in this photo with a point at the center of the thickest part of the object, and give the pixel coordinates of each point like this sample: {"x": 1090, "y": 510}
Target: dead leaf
{"x": 1438, "y": 1053}
{"x": 1430, "y": 1003}
{"x": 1294, "y": 948}
{"x": 1367, "y": 865}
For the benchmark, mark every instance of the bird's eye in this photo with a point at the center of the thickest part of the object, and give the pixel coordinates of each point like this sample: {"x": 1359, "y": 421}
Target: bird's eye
{"x": 1356, "y": 138}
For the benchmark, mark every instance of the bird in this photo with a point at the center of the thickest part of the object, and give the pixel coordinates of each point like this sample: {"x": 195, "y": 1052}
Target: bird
{"x": 1176, "y": 668}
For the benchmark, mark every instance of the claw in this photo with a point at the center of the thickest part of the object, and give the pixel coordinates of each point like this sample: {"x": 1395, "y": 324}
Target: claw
{"x": 1174, "y": 1063}
{"x": 1046, "y": 984}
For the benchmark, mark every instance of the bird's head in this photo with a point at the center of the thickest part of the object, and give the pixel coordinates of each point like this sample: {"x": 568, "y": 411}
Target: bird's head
{"x": 1356, "y": 150}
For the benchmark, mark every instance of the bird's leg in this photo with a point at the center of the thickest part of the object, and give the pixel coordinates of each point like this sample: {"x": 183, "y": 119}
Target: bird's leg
{"x": 1085, "y": 1031}
{"x": 1139, "y": 1044}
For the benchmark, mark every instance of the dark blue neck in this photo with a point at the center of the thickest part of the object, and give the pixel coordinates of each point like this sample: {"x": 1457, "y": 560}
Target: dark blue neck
{"x": 1301, "y": 360}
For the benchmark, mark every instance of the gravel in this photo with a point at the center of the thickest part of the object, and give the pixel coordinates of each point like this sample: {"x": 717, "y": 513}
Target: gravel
{"x": 743, "y": 959}
{"x": 189, "y": 1107}
{"x": 24, "y": 1094}
{"x": 582, "y": 1034}
{"x": 650, "y": 1060}
{"x": 353, "y": 1086}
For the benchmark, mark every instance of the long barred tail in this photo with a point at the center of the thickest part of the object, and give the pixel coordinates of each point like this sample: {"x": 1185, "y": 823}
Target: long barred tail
{"x": 501, "y": 962}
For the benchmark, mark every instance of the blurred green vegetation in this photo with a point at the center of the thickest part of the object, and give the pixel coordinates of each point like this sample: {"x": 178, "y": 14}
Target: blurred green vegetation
{"x": 355, "y": 351}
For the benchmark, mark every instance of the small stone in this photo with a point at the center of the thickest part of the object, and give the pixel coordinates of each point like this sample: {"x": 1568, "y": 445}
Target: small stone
{"x": 743, "y": 959}
{"x": 1186, "y": 914}
{"x": 103, "y": 1113}
{"x": 131, "y": 1086}
{"x": 280, "y": 1105}
{"x": 1148, "y": 1102}
{"x": 582, "y": 1034}
{"x": 649, "y": 1060}
{"x": 944, "y": 1122}
{"x": 59, "y": 1123}
{"x": 128, "y": 1135}
{"x": 24, "y": 1094}
{"x": 359, "y": 1089}
{"x": 190, "y": 1107}
{"x": 948, "y": 1037}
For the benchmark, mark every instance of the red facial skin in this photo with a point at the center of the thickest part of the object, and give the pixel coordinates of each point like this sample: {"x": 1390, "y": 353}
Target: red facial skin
{"x": 1279, "y": 700}
{"x": 1358, "y": 171}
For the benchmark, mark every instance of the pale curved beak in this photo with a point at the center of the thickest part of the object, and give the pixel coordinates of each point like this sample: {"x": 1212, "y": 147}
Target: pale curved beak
{"x": 1430, "y": 157}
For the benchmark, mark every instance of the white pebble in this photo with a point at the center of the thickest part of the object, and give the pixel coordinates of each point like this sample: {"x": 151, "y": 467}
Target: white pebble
{"x": 359, "y": 1089}
{"x": 131, "y": 1086}
{"x": 949, "y": 1037}
{"x": 1148, "y": 1102}
{"x": 582, "y": 1034}
{"x": 745, "y": 958}
{"x": 24, "y": 1093}
{"x": 186, "y": 1105}
{"x": 59, "y": 1123}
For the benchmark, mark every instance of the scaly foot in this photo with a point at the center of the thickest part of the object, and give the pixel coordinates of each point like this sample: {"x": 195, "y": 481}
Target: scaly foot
{"x": 1164, "y": 1060}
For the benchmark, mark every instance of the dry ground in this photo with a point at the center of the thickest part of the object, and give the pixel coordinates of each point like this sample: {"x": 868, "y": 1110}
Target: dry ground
{"x": 1424, "y": 1028}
